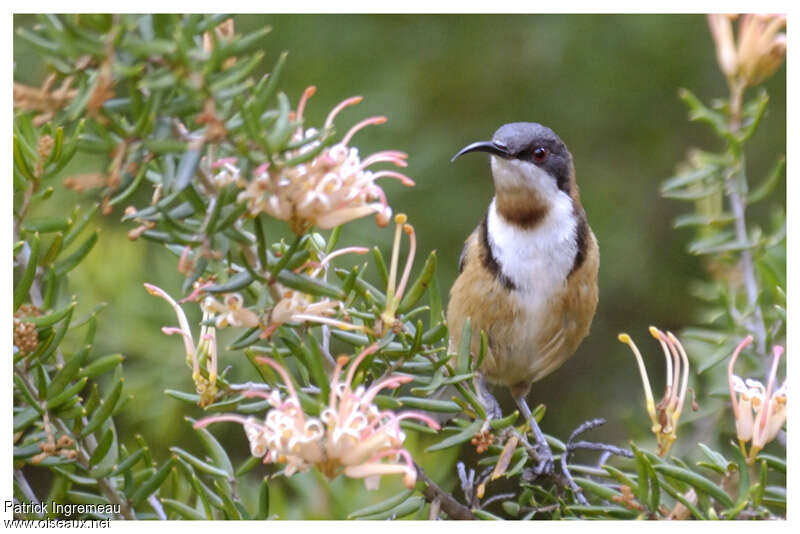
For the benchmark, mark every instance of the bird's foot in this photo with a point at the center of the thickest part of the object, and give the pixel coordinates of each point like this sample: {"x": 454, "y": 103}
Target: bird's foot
{"x": 486, "y": 398}
{"x": 545, "y": 465}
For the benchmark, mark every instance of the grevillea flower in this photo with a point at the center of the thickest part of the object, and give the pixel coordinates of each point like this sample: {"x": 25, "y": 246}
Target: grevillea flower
{"x": 394, "y": 291}
{"x": 331, "y": 188}
{"x": 759, "y": 411}
{"x": 666, "y": 414}
{"x": 351, "y": 436}
{"x": 205, "y": 352}
{"x": 231, "y": 311}
{"x": 760, "y": 49}
{"x": 297, "y": 307}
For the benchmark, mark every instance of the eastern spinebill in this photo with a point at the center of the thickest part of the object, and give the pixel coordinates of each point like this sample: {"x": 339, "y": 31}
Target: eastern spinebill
{"x": 529, "y": 270}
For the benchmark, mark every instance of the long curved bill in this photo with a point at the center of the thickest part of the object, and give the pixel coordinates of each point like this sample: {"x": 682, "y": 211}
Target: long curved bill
{"x": 492, "y": 147}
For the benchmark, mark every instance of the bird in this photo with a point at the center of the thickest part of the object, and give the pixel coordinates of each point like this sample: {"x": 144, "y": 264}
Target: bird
{"x": 528, "y": 272}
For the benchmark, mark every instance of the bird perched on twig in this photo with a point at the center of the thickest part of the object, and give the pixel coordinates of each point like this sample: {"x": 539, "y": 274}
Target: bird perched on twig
{"x": 529, "y": 270}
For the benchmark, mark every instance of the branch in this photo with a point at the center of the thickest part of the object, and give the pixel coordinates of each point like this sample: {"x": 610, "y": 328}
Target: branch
{"x": 737, "y": 190}
{"x": 448, "y": 503}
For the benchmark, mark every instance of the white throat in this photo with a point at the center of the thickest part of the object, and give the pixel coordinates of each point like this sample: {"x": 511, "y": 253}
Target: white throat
{"x": 537, "y": 260}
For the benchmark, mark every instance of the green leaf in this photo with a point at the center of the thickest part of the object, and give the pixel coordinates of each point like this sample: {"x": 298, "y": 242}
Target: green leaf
{"x": 499, "y": 424}
{"x": 753, "y": 112}
{"x": 308, "y": 285}
{"x": 66, "y": 395}
{"x": 598, "y": 489}
{"x": 215, "y": 450}
{"x": 277, "y": 138}
{"x": 22, "y": 287}
{"x": 51, "y": 318}
{"x": 420, "y": 285}
{"x": 263, "y": 499}
{"x": 615, "y": 512}
{"x": 778, "y": 464}
{"x": 717, "y": 459}
{"x": 247, "y": 338}
{"x": 435, "y": 301}
{"x": 70, "y": 370}
{"x": 129, "y": 462}
{"x": 198, "y": 463}
{"x": 643, "y": 475}
{"x": 769, "y": 183}
{"x": 758, "y": 494}
{"x": 679, "y": 496}
{"x": 105, "y": 409}
{"x": 187, "y": 167}
{"x": 105, "y": 455}
{"x": 237, "y": 282}
{"x": 435, "y": 334}
{"x": 266, "y": 87}
{"x": 699, "y": 482}
{"x": 248, "y": 465}
{"x": 27, "y": 393}
{"x": 699, "y": 219}
{"x": 458, "y": 438}
{"x": 46, "y": 224}
{"x": 382, "y": 506}
{"x": 237, "y": 73}
{"x": 101, "y": 365}
{"x": 184, "y": 511}
{"x": 699, "y": 112}
{"x": 405, "y": 508}
{"x": 151, "y": 485}
{"x": 380, "y": 264}
{"x": 693, "y": 194}
{"x": 315, "y": 361}
{"x": 25, "y": 418}
{"x": 20, "y": 162}
{"x": 70, "y": 262}
{"x": 78, "y": 227}
{"x": 432, "y": 405}
{"x": 687, "y": 178}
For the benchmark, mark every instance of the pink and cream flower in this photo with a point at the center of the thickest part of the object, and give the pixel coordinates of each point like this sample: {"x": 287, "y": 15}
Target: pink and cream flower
{"x": 757, "y": 53}
{"x": 759, "y": 411}
{"x": 666, "y": 414}
{"x": 351, "y": 436}
{"x": 332, "y": 187}
{"x": 204, "y": 353}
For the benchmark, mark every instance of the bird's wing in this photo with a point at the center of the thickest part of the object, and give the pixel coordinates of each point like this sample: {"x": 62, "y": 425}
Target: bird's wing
{"x": 463, "y": 257}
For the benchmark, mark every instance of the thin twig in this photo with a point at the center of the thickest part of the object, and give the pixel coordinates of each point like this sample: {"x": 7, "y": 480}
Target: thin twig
{"x": 586, "y": 426}
{"x": 595, "y": 446}
{"x": 26, "y": 489}
{"x": 576, "y": 490}
{"x": 449, "y": 505}
{"x": 736, "y": 183}
{"x": 154, "y": 502}
{"x": 436, "y": 507}
{"x": 497, "y": 497}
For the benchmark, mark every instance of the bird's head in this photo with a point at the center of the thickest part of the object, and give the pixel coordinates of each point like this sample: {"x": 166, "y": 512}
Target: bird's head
{"x": 531, "y": 167}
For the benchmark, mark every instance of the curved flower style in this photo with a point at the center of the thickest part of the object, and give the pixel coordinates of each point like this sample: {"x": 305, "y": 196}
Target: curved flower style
{"x": 394, "y": 291}
{"x": 760, "y": 49}
{"x": 759, "y": 412}
{"x": 666, "y": 414}
{"x": 206, "y": 349}
{"x": 334, "y": 187}
{"x": 351, "y": 436}
{"x": 298, "y": 307}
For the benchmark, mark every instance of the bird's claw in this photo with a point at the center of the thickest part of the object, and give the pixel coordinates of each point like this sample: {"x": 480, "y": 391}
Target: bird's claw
{"x": 546, "y": 466}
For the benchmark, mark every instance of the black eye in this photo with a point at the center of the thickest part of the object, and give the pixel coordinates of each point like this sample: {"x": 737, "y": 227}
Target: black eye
{"x": 539, "y": 154}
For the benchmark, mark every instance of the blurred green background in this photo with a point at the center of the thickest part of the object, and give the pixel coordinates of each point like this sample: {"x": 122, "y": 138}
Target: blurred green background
{"x": 607, "y": 84}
